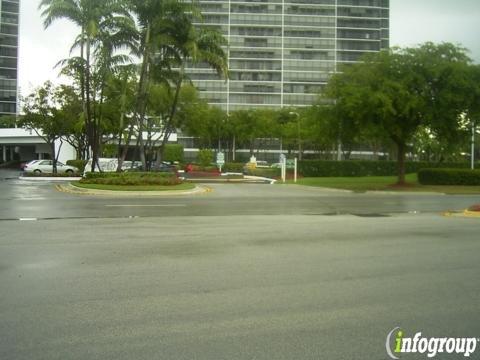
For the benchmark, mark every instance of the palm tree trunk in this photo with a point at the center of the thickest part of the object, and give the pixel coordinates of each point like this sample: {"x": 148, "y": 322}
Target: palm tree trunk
{"x": 169, "y": 126}
{"x": 123, "y": 105}
{"x": 143, "y": 94}
{"x": 54, "y": 156}
{"x": 93, "y": 132}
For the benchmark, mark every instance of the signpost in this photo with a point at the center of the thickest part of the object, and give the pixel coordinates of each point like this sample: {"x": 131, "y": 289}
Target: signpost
{"x": 220, "y": 160}
{"x": 295, "y": 170}
{"x": 283, "y": 164}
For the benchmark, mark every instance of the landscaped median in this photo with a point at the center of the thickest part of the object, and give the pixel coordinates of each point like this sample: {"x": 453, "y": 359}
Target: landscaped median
{"x": 133, "y": 181}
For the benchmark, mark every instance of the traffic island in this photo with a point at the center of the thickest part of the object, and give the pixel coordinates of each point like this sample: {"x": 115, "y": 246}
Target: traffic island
{"x": 134, "y": 183}
{"x": 473, "y": 211}
{"x": 76, "y": 188}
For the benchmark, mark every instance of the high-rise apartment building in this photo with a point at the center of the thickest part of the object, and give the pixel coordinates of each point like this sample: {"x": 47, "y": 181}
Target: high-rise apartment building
{"x": 282, "y": 52}
{"x": 9, "y": 10}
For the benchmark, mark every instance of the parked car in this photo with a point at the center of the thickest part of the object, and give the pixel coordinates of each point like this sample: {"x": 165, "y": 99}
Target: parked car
{"x": 46, "y": 166}
{"x": 25, "y": 164}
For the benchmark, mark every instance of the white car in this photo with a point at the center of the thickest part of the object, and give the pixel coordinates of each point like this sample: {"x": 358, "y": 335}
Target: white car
{"x": 109, "y": 165}
{"x": 31, "y": 162}
{"x": 46, "y": 167}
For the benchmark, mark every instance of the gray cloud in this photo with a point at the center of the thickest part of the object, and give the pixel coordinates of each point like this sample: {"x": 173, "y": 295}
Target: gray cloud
{"x": 412, "y": 22}
{"x": 418, "y": 21}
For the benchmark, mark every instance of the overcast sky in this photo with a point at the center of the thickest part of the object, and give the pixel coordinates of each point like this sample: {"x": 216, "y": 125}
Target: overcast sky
{"x": 412, "y": 22}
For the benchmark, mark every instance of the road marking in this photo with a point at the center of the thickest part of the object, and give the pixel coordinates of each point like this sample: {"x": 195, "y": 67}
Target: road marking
{"x": 133, "y": 205}
{"x": 27, "y": 219}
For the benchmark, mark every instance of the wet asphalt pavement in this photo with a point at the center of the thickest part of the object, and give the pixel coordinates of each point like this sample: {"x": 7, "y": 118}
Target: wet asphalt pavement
{"x": 30, "y": 199}
{"x": 244, "y": 272}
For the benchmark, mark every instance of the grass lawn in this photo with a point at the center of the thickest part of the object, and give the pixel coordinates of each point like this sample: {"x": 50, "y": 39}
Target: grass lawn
{"x": 183, "y": 186}
{"x": 383, "y": 183}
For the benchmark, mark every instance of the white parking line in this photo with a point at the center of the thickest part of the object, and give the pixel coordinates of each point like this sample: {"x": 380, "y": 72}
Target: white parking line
{"x": 162, "y": 205}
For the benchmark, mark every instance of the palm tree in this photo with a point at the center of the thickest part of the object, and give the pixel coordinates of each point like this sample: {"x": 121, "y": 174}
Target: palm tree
{"x": 168, "y": 40}
{"x": 194, "y": 45}
{"x": 104, "y": 27}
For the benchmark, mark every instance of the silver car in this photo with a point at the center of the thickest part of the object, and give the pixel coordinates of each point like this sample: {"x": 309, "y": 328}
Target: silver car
{"x": 46, "y": 166}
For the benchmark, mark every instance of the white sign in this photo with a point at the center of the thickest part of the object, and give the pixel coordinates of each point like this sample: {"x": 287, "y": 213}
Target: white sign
{"x": 220, "y": 158}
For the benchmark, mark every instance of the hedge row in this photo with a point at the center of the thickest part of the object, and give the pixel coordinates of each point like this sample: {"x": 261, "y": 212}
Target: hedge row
{"x": 173, "y": 152}
{"x": 137, "y": 178}
{"x": 449, "y": 177}
{"x": 264, "y": 172}
{"x": 233, "y": 167}
{"x": 79, "y": 164}
{"x": 323, "y": 168}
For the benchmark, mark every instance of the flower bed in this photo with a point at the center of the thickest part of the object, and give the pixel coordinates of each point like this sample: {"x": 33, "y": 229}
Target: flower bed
{"x": 475, "y": 208}
{"x": 132, "y": 179}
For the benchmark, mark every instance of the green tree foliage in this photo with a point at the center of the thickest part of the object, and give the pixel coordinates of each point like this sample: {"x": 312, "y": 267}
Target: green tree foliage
{"x": 105, "y": 27}
{"x": 205, "y": 157}
{"x": 395, "y": 92}
{"x": 69, "y": 104}
{"x": 168, "y": 41}
{"x": 43, "y": 116}
{"x": 173, "y": 152}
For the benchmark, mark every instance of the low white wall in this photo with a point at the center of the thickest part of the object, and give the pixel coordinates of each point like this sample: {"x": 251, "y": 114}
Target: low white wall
{"x": 67, "y": 152}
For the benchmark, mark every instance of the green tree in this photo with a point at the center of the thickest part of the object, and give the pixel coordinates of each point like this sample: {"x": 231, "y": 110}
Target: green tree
{"x": 168, "y": 41}
{"x": 104, "y": 27}
{"x": 42, "y": 115}
{"x": 397, "y": 91}
{"x": 70, "y": 107}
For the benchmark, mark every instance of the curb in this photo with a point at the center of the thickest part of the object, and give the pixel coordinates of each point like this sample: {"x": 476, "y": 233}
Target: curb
{"x": 74, "y": 190}
{"x": 27, "y": 178}
{"x": 469, "y": 213}
{"x": 422, "y": 193}
{"x": 259, "y": 178}
{"x": 317, "y": 188}
{"x": 234, "y": 181}
{"x": 464, "y": 214}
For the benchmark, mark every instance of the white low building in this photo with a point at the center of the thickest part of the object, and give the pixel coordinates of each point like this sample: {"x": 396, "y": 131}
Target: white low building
{"x": 23, "y": 145}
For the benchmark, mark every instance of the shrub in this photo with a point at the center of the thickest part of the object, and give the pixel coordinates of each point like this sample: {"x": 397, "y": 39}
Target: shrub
{"x": 173, "y": 152}
{"x": 449, "y": 177}
{"x": 263, "y": 172}
{"x": 79, "y": 164}
{"x": 233, "y": 167}
{"x": 136, "y": 178}
{"x": 324, "y": 168}
{"x": 205, "y": 157}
